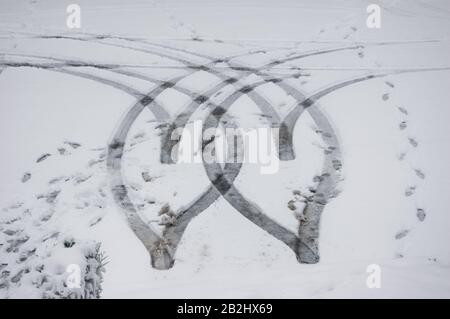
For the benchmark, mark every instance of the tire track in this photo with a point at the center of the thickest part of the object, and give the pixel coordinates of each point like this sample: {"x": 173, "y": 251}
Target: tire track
{"x": 159, "y": 248}
{"x": 306, "y": 245}
{"x": 286, "y": 151}
{"x": 286, "y": 146}
{"x": 156, "y": 108}
{"x": 162, "y": 256}
{"x": 259, "y": 100}
{"x": 70, "y": 62}
{"x": 246, "y": 208}
{"x": 215, "y": 183}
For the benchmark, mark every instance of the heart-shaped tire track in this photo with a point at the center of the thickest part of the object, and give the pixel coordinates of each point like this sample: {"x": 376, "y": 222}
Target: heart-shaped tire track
{"x": 246, "y": 90}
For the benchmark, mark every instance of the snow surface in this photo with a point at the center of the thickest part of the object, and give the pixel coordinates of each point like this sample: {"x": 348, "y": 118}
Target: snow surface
{"x": 393, "y": 205}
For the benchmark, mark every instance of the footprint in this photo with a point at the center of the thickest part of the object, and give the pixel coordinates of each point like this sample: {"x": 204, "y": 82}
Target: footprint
{"x": 43, "y": 157}
{"x": 9, "y": 232}
{"x": 14, "y": 244}
{"x": 390, "y": 84}
{"x": 16, "y": 205}
{"x": 146, "y": 177}
{"x": 26, "y": 177}
{"x": 62, "y": 151}
{"x": 25, "y": 255}
{"x": 410, "y": 191}
{"x": 337, "y": 165}
{"x": 291, "y": 205}
{"x": 403, "y": 125}
{"x": 94, "y": 162}
{"x": 329, "y": 150}
{"x": 53, "y": 235}
{"x": 402, "y": 234}
{"x": 413, "y": 142}
{"x": 403, "y": 110}
{"x": 17, "y": 277}
{"x": 95, "y": 221}
{"x": 74, "y": 145}
{"x": 139, "y": 135}
{"x": 419, "y": 173}
{"x": 421, "y": 215}
{"x": 46, "y": 217}
{"x": 58, "y": 179}
{"x": 81, "y": 179}
{"x": 50, "y": 197}
{"x": 386, "y": 96}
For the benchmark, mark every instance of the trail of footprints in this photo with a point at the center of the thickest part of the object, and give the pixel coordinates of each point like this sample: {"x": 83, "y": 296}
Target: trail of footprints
{"x": 413, "y": 143}
{"x": 27, "y": 234}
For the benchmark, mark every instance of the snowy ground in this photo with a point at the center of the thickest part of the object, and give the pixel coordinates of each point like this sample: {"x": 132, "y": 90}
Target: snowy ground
{"x": 371, "y": 152}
